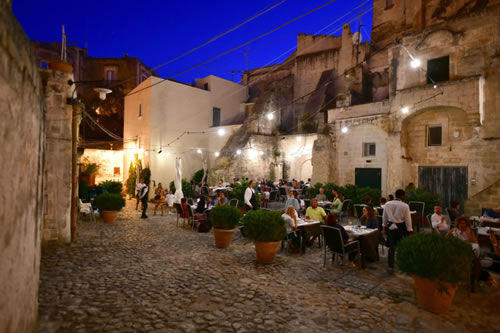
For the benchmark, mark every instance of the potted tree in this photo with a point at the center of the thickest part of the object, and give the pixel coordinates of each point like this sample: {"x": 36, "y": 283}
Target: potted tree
{"x": 437, "y": 264}
{"x": 109, "y": 204}
{"x": 224, "y": 220}
{"x": 88, "y": 171}
{"x": 267, "y": 230}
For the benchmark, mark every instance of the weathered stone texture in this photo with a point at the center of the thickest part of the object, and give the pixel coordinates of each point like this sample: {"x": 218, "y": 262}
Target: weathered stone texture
{"x": 489, "y": 198}
{"x": 57, "y": 181}
{"x": 22, "y": 134}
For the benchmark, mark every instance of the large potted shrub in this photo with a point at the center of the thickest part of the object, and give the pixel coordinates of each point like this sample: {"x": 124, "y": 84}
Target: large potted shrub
{"x": 437, "y": 264}
{"x": 267, "y": 230}
{"x": 112, "y": 186}
{"x": 88, "y": 171}
{"x": 224, "y": 220}
{"x": 109, "y": 204}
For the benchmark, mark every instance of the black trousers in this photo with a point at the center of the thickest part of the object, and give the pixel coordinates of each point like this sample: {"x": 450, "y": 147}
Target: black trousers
{"x": 395, "y": 237}
{"x": 144, "y": 206}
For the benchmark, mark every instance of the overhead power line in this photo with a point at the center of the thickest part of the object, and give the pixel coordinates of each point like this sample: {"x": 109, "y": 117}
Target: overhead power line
{"x": 236, "y": 47}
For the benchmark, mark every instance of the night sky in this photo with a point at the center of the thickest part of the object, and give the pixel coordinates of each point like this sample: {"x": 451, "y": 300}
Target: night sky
{"x": 157, "y": 31}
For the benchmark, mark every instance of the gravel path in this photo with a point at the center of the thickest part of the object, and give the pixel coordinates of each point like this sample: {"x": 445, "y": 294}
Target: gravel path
{"x": 151, "y": 276}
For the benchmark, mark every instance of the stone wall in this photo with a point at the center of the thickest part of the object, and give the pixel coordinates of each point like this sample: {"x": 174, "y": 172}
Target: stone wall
{"x": 22, "y": 133}
{"x": 489, "y": 198}
{"x": 57, "y": 177}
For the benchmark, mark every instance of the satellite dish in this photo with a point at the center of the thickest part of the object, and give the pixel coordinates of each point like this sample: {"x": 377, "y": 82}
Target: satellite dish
{"x": 356, "y": 38}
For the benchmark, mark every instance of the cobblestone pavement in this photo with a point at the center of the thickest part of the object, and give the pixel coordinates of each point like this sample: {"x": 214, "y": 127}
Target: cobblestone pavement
{"x": 151, "y": 276}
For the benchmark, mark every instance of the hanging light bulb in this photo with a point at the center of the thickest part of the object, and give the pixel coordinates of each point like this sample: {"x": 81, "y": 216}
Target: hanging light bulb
{"x": 217, "y": 154}
{"x": 415, "y": 63}
{"x": 405, "y": 109}
{"x": 159, "y": 151}
{"x": 261, "y": 152}
{"x": 238, "y": 152}
{"x": 270, "y": 116}
{"x": 344, "y": 129}
{"x": 298, "y": 139}
{"x": 221, "y": 132}
{"x": 199, "y": 151}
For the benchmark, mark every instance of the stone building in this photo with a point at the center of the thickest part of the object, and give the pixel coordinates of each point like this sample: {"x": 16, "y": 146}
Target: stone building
{"x": 165, "y": 119}
{"x": 119, "y": 74}
{"x": 381, "y": 122}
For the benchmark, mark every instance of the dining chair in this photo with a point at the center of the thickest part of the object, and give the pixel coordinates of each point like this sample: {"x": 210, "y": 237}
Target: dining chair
{"x": 345, "y": 208}
{"x": 180, "y": 213}
{"x": 333, "y": 241}
{"x": 233, "y": 202}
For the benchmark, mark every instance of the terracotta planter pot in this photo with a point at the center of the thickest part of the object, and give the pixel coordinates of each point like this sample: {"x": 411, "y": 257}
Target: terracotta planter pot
{"x": 61, "y": 66}
{"x": 243, "y": 210}
{"x": 432, "y": 299}
{"x": 223, "y": 238}
{"x": 109, "y": 216}
{"x": 266, "y": 251}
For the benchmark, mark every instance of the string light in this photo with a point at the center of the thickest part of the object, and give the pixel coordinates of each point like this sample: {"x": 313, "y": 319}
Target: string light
{"x": 159, "y": 151}
{"x": 221, "y": 132}
{"x": 344, "y": 129}
{"x": 217, "y": 154}
{"x": 199, "y": 151}
{"x": 261, "y": 153}
{"x": 405, "y": 109}
{"x": 238, "y": 152}
{"x": 270, "y": 116}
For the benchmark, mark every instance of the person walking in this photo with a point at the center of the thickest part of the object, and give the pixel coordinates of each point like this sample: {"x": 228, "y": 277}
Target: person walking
{"x": 397, "y": 223}
{"x": 144, "y": 200}
{"x": 250, "y": 197}
{"x": 138, "y": 191}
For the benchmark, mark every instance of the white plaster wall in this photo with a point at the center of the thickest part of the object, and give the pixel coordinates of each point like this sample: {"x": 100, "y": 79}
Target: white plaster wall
{"x": 350, "y": 152}
{"x": 108, "y": 160}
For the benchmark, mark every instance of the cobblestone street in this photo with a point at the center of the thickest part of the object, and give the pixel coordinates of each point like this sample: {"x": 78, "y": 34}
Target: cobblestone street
{"x": 151, "y": 276}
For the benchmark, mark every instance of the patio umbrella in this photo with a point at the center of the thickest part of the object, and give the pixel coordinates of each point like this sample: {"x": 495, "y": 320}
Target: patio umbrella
{"x": 178, "y": 180}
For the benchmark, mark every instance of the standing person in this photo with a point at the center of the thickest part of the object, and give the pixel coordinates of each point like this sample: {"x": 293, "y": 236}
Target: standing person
{"x": 250, "y": 197}
{"x": 396, "y": 222}
{"x": 159, "y": 198}
{"x": 144, "y": 200}
{"x": 138, "y": 191}
{"x": 170, "y": 201}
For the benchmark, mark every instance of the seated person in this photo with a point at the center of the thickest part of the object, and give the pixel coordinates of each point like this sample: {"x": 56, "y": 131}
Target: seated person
{"x": 200, "y": 208}
{"x": 331, "y": 220}
{"x": 390, "y": 197}
{"x": 291, "y": 201}
{"x": 315, "y": 213}
{"x": 462, "y": 230}
{"x": 220, "y": 183}
{"x": 291, "y": 226}
{"x": 321, "y": 196}
{"x": 222, "y": 200}
{"x": 494, "y": 242}
{"x": 338, "y": 201}
{"x": 368, "y": 218}
{"x": 438, "y": 221}
{"x": 494, "y": 212}
{"x": 185, "y": 212}
{"x": 382, "y": 202}
{"x": 454, "y": 211}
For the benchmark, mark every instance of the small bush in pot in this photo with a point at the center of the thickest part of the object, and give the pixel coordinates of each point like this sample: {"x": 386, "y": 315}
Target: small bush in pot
{"x": 224, "y": 220}
{"x": 437, "y": 264}
{"x": 109, "y": 204}
{"x": 267, "y": 230}
{"x": 112, "y": 186}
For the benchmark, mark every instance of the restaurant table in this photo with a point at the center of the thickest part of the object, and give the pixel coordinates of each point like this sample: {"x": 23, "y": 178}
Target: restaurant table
{"x": 369, "y": 240}
{"x": 308, "y": 229}
{"x": 221, "y": 188}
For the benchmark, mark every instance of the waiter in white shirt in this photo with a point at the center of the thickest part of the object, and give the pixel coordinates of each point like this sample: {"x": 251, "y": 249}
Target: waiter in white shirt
{"x": 250, "y": 197}
{"x": 397, "y": 223}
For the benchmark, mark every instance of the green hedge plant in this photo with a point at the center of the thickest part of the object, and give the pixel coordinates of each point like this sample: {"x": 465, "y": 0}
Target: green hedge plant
{"x": 264, "y": 226}
{"x": 421, "y": 194}
{"x": 186, "y": 188}
{"x": 109, "y": 201}
{"x": 225, "y": 217}
{"x": 435, "y": 257}
{"x": 112, "y": 186}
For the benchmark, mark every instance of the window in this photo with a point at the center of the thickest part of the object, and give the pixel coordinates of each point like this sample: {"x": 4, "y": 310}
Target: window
{"x": 110, "y": 75}
{"x": 389, "y": 4}
{"x": 434, "y": 135}
{"x": 369, "y": 149}
{"x": 140, "y": 110}
{"x": 116, "y": 172}
{"x": 438, "y": 69}
{"x": 216, "y": 117}
{"x": 205, "y": 86}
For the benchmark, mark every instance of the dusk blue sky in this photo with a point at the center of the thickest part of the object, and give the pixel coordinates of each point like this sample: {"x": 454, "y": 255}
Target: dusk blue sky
{"x": 156, "y": 31}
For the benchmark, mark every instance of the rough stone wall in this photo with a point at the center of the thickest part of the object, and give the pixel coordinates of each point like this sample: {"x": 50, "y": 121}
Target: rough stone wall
{"x": 57, "y": 177}
{"x": 489, "y": 198}
{"x": 22, "y": 133}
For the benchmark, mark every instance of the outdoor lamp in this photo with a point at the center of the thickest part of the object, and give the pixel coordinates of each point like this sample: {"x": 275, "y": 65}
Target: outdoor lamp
{"x": 102, "y": 92}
